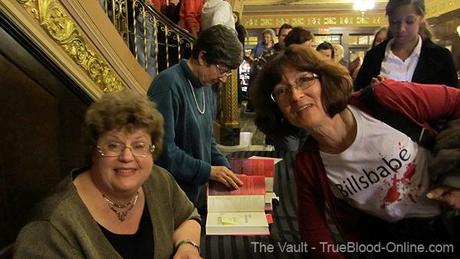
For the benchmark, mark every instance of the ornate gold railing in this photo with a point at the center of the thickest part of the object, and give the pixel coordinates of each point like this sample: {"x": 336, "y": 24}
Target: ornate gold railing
{"x": 154, "y": 40}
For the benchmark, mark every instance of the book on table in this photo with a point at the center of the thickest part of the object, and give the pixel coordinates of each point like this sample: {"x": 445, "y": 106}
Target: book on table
{"x": 261, "y": 167}
{"x": 237, "y": 212}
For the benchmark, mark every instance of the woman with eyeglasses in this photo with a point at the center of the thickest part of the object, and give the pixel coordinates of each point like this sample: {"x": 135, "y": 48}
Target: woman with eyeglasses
{"x": 122, "y": 205}
{"x": 184, "y": 97}
{"x": 408, "y": 54}
{"x": 358, "y": 179}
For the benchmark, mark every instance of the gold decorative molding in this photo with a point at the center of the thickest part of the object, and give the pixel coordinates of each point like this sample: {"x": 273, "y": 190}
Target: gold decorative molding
{"x": 53, "y": 18}
{"x": 229, "y": 98}
{"x": 436, "y": 8}
{"x": 342, "y": 20}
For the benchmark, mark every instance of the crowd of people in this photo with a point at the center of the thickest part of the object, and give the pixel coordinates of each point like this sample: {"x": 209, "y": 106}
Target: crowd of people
{"x": 360, "y": 175}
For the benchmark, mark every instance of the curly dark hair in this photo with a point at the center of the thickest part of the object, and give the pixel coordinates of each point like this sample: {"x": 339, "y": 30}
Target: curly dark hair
{"x": 221, "y": 45}
{"x": 124, "y": 110}
{"x": 336, "y": 87}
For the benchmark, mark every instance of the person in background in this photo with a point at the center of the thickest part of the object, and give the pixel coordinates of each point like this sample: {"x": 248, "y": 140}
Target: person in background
{"x": 159, "y": 5}
{"x": 299, "y": 35}
{"x": 121, "y": 205}
{"x": 409, "y": 54}
{"x": 267, "y": 53}
{"x": 283, "y": 31}
{"x": 190, "y": 16}
{"x": 339, "y": 55}
{"x": 327, "y": 50}
{"x": 172, "y": 10}
{"x": 262, "y": 50}
{"x": 268, "y": 38}
{"x": 380, "y": 36}
{"x": 368, "y": 178}
{"x": 240, "y": 30}
{"x": 354, "y": 66}
{"x": 241, "y": 34}
{"x": 185, "y": 98}
{"x": 217, "y": 12}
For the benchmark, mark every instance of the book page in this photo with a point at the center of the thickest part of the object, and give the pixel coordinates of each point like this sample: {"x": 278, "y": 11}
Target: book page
{"x": 264, "y": 167}
{"x": 252, "y": 185}
{"x": 236, "y": 203}
{"x": 245, "y": 223}
{"x": 276, "y": 160}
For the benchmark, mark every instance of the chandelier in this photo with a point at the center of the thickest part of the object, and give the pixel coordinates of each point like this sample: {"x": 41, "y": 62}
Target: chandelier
{"x": 363, "y": 5}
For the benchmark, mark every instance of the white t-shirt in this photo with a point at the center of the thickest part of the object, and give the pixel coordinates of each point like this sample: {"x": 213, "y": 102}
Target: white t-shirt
{"x": 395, "y": 68}
{"x": 383, "y": 172}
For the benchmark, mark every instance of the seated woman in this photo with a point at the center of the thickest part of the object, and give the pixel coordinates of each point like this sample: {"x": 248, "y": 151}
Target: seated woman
{"x": 122, "y": 204}
{"x": 371, "y": 179}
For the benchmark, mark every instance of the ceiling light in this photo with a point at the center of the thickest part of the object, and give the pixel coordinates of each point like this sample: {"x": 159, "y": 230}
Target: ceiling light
{"x": 363, "y": 5}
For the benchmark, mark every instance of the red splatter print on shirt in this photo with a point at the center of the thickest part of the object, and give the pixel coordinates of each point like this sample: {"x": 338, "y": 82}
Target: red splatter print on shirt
{"x": 393, "y": 194}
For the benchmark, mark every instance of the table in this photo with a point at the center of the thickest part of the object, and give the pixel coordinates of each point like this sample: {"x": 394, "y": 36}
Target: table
{"x": 284, "y": 230}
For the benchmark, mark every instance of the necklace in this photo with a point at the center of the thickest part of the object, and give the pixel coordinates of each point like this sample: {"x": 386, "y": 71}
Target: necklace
{"x": 196, "y": 102}
{"x": 119, "y": 208}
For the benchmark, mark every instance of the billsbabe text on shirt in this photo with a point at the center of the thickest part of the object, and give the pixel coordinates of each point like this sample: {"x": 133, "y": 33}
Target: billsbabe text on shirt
{"x": 369, "y": 177}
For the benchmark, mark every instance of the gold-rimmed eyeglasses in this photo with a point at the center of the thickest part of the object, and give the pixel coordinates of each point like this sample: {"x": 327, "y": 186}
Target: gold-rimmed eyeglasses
{"x": 114, "y": 149}
{"x": 283, "y": 92}
{"x": 225, "y": 71}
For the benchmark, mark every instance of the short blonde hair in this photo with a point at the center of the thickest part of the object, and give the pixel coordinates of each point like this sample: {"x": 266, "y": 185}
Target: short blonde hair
{"x": 124, "y": 110}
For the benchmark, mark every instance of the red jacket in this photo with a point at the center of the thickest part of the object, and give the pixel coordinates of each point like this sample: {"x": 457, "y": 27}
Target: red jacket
{"x": 420, "y": 103}
{"x": 190, "y": 15}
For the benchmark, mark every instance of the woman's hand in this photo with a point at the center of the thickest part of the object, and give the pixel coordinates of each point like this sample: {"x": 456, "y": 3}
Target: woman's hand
{"x": 378, "y": 79}
{"x": 187, "y": 251}
{"x": 226, "y": 176}
{"x": 447, "y": 195}
{"x": 187, "y": 240}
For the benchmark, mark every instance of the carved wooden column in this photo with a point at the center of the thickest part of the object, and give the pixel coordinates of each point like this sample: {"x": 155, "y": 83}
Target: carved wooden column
{"x": 227, "y": 127}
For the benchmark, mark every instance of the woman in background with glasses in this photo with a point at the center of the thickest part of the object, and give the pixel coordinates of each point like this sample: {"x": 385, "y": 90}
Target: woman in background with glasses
{"x": 369, "y": 178}
{"x": 122, "y": 205}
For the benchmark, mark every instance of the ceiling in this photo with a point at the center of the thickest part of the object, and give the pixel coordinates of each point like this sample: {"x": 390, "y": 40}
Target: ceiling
{"x": 304, "y": 6}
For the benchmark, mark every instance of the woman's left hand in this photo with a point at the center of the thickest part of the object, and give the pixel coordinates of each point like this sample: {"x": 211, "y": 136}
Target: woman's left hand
{"x": 447, "y": 195}
{"x": 187, "y": 251}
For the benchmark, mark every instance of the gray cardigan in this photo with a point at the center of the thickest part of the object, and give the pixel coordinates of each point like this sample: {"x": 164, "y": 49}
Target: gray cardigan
{"x": 64, "y": 228}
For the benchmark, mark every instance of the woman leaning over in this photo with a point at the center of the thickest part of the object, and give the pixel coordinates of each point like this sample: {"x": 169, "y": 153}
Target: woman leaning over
{"x": 121, "y": 205}
{"x": 409, "y": 54}
{"x": 371, "y": 179}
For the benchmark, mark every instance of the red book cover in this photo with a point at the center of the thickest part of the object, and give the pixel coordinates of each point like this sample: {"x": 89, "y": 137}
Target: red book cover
{"x": 264, "y": 167}
{"x": 252, "y": 185}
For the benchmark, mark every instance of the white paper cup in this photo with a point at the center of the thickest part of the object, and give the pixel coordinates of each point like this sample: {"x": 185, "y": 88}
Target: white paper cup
{"x": 245, "y": 138}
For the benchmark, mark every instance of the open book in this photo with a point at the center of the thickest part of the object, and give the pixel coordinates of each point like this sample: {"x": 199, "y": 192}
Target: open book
{"x": 237, "y": 212}
{"x": 262, "y": 167}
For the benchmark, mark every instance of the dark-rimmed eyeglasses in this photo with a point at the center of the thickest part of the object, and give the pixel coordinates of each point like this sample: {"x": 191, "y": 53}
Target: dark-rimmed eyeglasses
{"x": 283, "y": 92}
{"x": 114, "y": 149}
{"x": 225, "y": 71}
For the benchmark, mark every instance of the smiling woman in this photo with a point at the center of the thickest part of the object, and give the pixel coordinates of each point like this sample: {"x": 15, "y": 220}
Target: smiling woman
{"x": 298, "y": 66}
{"x": 121, "y": 205}
{"x": 368, "y": 177}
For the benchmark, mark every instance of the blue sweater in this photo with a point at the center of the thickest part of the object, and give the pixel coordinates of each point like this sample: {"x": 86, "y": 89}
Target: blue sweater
{"x": 189, "y": 149}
